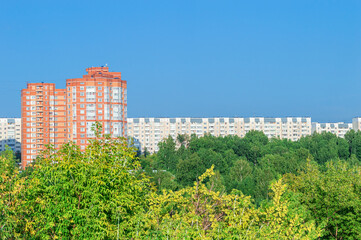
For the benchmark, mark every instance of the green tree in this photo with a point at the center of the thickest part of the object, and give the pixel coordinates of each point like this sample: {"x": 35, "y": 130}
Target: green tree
{"x": 323, "y": 147}
{"x": 253, "y": 144}
{"x": 91, "y": 194}
{"x": 333, "y": 197}
{"x": 167, "y": 157}
{"x": 209, "y": 157}
{"x": 189, "y": 169}
{"x": 343, "y": 148}
{"x": 183, "y": 139}
{"x": 240, "y": 171}
{"x": 162, "y": 179}
{"x": 10, "y": 188}
{"x": 354, "y": 141}
{"x": 146, "y": 152}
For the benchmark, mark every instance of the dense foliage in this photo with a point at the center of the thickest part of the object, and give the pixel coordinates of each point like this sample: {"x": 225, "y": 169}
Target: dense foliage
{"x": 193, "y": 188}
{"x": 70, "y": 194}
{"x": 252, "y": 163}
{"x": 333, "y": 196}
{"x": 248, "y": 164}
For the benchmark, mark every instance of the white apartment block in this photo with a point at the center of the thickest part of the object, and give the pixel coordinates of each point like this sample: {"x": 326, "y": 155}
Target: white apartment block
{"x": 356, "y": 123}
{"x": 10, "y": 133}
{"x": 151, "y": 131}
{"x": 339, "y": 129}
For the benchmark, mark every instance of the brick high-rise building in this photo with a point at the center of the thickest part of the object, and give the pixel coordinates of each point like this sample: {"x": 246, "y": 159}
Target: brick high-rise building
{"x": 43, "y": 114}
{"x": 54, "y": 116}
{"x": 98, "y": 96}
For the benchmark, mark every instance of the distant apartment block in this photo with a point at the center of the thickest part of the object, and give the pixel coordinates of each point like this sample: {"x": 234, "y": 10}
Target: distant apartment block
{"x": 356, "y": 123}
{"x": 55, "y": 116}
{"x": 150, "y": 131}
{"x": 10, "y": 133}
{"x": 339, "y": 129}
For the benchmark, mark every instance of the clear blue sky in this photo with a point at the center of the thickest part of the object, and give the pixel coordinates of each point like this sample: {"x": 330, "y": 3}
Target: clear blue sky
{"x": 193, "y": 58}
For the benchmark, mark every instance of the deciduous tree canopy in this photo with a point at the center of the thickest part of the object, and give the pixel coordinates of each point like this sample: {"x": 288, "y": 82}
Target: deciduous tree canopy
{"x": 195, "y": 188}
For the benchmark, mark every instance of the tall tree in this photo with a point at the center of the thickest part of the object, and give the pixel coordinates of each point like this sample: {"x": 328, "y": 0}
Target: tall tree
{"x": 167, "y": 157}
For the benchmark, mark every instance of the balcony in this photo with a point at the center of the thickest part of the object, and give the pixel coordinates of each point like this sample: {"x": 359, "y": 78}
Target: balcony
{"x": 39, "y": 119}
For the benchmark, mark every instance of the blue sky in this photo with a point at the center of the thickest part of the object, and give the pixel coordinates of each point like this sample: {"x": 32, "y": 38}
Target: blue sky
{"x": 193, "y": 58}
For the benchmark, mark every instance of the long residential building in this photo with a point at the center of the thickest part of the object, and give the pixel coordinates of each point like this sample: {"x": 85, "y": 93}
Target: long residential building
{"x": 10, "y": 134}
{"x": 339, "y": 129}
{"x": 55, "y": 116}
{"x": 150, "y": 131}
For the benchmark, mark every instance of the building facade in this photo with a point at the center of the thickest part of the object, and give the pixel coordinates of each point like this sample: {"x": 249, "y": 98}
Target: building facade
{"x": 55, "y": 116}
{"x": 150, "y": 131}
{"x": 356, "y": 123}
{"x": 339, "y": 129}
{"x": 98, "y": 96}
{"x": 43, "y": 114}
{"x": 10, "y": 134}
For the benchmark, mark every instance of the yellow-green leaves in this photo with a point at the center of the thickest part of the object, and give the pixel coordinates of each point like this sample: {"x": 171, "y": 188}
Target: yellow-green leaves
{"x": 199, "y": 212}
{"x": 333, "y": 196}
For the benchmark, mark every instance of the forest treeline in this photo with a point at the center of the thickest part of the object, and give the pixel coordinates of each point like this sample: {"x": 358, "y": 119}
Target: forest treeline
{"x": 193, "y": 188}
{"x": 248, "y": 164}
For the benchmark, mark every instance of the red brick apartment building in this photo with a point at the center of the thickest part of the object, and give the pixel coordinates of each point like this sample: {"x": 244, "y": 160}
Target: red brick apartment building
{"x": 55, "y": 116}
